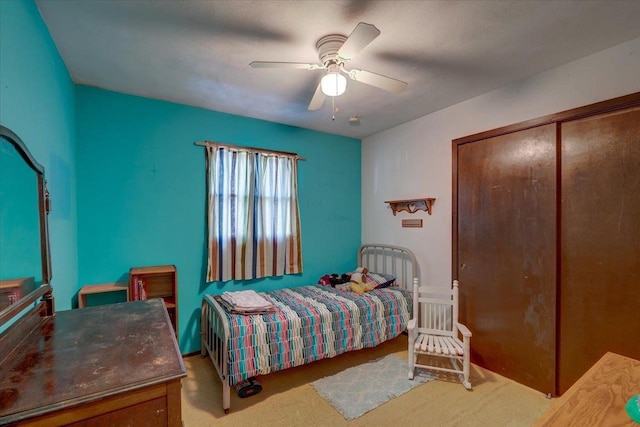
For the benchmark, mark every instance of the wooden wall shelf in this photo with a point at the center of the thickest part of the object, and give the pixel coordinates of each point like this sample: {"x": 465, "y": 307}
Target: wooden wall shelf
{"x": 411, "y": 205}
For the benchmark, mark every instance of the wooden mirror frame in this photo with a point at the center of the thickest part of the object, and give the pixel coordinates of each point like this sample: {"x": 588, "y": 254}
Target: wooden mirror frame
{"x": 44, "y": 290}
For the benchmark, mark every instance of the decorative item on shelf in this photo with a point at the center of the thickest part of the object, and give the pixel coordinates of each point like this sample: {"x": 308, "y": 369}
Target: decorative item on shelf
{"x": 411, "y": 205}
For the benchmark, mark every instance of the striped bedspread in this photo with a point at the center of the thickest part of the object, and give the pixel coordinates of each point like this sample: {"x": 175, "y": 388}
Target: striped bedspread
{"x": 313, "y": 323}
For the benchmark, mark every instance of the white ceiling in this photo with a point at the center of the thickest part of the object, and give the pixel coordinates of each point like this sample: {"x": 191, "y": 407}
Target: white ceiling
{"x": 198, "y": 52}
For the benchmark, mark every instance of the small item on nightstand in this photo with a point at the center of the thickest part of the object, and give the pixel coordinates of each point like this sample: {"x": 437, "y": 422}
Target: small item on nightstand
{"x": 633, "y": 408}
{"x": 248, "y": 387}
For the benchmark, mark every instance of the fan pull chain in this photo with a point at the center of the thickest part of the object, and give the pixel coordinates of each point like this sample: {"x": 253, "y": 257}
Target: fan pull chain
{"x": 333, "y": 104}
{"x": 333, "y": 108}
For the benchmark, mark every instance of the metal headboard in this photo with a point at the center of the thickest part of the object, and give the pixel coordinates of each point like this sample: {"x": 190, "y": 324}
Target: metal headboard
{"x": 388, "y": 259}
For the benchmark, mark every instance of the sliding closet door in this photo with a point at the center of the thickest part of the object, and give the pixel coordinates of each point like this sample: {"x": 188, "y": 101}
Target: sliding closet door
{"x": 506, "y": 252}
{"x": 600, "y": 241}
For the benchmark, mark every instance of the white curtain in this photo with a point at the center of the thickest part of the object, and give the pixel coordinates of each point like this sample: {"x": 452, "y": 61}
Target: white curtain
{"x": 253, "y": 220}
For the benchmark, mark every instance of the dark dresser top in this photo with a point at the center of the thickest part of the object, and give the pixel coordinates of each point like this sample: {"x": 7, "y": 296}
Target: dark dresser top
{"x": 79, "y": 356}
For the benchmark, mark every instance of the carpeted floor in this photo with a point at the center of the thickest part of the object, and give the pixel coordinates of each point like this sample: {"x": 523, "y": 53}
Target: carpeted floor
{"x": 289, "y": 399}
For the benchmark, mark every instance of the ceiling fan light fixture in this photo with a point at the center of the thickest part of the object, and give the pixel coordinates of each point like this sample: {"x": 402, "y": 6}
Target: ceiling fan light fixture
{"x": 333, "y": 83}
{"x": 334, "y": 51}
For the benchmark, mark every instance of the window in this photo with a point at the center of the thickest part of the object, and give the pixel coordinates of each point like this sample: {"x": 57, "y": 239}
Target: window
{"x": 253, "y": 220}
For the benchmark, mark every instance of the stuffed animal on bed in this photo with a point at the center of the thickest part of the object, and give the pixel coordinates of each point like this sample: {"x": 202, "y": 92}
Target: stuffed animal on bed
{"x": 359, "y": 282}
{"x": 359, "y": 276}
{"x": 334, "y": 279}
{"x": 325, "y": 280}
{"x": 356, "y": 281}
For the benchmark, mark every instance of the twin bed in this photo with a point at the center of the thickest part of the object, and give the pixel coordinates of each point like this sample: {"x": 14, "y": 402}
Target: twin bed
{"x": 310, "y": 322}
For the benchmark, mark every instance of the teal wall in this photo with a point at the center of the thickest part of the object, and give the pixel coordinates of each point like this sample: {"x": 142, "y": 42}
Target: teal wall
{"x": 131, "y": 190}
{"x": 141, "y": 193}
{"x": 37, "y": 102}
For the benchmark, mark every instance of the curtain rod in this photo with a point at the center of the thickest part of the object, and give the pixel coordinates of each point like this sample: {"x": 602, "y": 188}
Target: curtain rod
{"x": 242, "y": 147}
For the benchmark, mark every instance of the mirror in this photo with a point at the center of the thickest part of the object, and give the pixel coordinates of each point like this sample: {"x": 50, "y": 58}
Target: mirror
{"x": 24, "y": 246}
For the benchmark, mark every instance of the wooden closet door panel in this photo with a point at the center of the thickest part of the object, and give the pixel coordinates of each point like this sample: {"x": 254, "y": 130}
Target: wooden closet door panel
{"x": 600, "y": 241}
{"x": 507, "y": 253}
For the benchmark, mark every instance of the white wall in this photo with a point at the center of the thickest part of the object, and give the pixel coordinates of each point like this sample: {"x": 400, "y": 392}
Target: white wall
{"x": 414, "y": 159}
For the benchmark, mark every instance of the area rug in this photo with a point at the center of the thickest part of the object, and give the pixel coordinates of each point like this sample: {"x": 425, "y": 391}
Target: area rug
{"x": 355, "y": 391}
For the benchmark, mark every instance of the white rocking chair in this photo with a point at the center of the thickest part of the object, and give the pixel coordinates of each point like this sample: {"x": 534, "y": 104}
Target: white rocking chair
{"x": 435, "y": 331}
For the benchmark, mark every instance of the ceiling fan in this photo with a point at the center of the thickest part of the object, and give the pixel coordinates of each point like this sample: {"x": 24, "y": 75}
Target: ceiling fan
{"x": 335, "y": 51}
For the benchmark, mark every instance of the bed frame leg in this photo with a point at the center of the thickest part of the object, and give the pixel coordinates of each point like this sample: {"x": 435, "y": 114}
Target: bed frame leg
{"x": 226, "y": 397}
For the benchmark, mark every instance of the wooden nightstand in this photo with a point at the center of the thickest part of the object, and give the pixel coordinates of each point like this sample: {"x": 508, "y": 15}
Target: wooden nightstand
{"x": 99, "y": 289}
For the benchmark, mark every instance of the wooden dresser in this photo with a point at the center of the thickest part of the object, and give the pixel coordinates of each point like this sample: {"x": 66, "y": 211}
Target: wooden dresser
{"x": 599, "y": 397}
{"x": 115, "y": 364}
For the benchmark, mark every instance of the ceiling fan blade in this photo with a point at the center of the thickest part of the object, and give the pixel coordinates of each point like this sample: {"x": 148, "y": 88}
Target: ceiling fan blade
{"x": 378, "y": 80}
{"x": 296, "y": 65}
{"x": 318, "y": 99}
{"x": 361, "y": 36}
